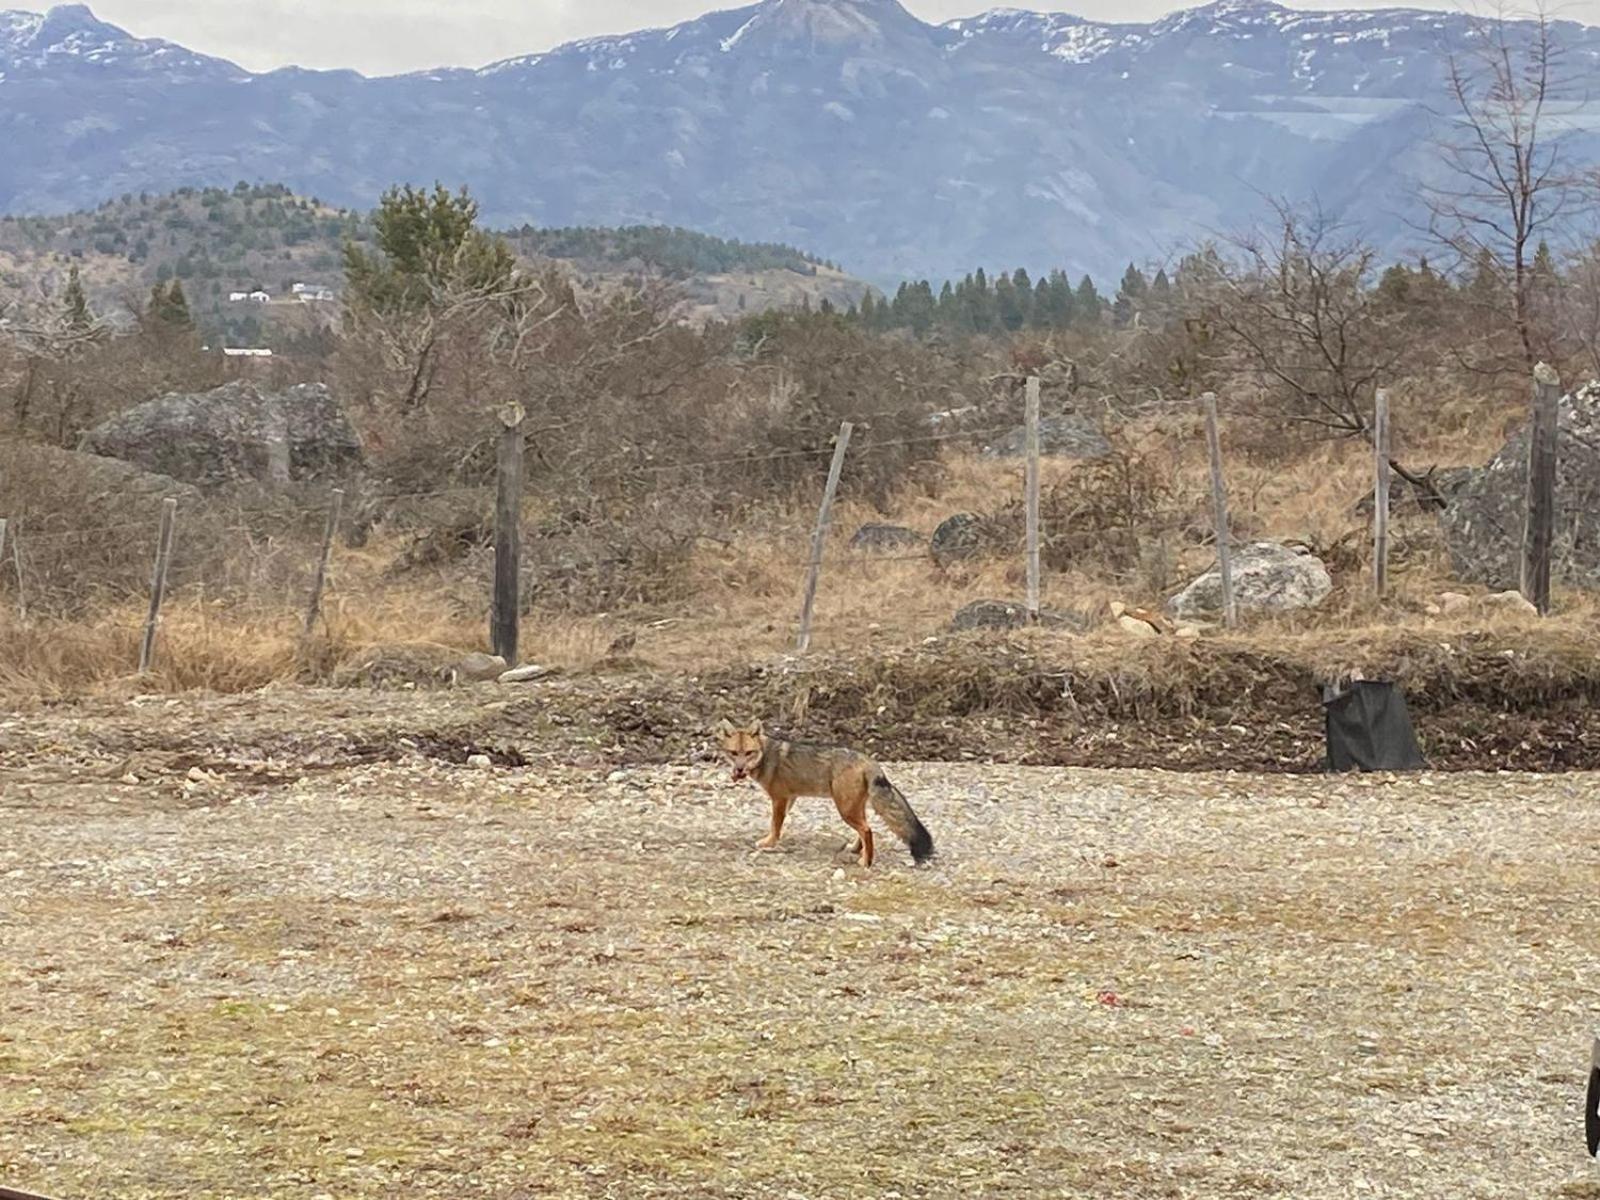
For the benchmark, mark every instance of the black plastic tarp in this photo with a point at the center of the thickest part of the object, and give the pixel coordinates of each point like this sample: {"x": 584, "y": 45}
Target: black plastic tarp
{"x": 1369, "y": 728}
{"x": 1591, "y": 1104}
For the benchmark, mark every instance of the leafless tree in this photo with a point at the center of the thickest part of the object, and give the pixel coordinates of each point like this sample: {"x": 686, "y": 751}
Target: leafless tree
{"x": 1506, "y": 185}
{"x": 1296, "y": 308}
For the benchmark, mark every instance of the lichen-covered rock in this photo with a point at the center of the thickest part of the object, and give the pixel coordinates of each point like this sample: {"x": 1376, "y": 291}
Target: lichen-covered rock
{"x": 1005, "y": 614}
{"x": 236, "y": 432}
{"x": 966, "y": 536}
{"x": 1068, "y": 436}
{"x": 1483, "y": 525}
{"x": 1267, "y": 577}
{"x": 874, "y": 538}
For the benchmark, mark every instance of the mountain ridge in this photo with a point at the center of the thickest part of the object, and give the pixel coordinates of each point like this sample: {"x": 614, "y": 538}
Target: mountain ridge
{"x": 898, "y": 147}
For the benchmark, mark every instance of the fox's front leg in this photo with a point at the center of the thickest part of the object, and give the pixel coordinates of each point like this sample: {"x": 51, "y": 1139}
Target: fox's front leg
{"x": 780, "y": 810}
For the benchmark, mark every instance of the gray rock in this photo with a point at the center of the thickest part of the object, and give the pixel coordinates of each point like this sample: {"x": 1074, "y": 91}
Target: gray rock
{"x": 93, "y": 480}
{"x": 236, "y": 432}
{"x": 524, "y": 674}
{"x": 962, "y": 537}
{"x": 479, "y": 667}
{"x": 1483, "y": 526}
{"x": 1005, "y": 614}
{"x": 874, "y": 538}
{"x": 1406, "y": 498}
{"x": 1068, "y": 436}
{"x": 1267, "y": 577}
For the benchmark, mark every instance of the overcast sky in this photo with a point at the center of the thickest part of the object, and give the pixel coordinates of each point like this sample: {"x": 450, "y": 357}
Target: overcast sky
{"x": 383, "y": 36}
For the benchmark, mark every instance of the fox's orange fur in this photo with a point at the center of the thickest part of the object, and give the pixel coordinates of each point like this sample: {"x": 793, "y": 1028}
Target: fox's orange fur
{"x": 787, "y": 770}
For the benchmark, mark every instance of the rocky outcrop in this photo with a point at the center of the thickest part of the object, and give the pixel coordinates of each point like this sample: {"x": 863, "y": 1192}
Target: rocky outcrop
{"x": 1267, "y": 577}
{"x": 876, "y": 538}
{"x": 1483, "y": 525}
{"x": 237, "y": 432}
{"x": 1068, "y": 436}
{"x": 1005, "y": 614}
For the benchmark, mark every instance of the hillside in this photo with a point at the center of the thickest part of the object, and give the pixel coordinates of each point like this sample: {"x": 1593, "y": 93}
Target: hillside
{"x": 850, "y": 127}
{"x": 222, "y": 242}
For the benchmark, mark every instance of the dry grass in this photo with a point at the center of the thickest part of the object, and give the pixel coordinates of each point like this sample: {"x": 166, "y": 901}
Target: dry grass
{"x": 737, "y": 598}
{"x": 408, "y": 977}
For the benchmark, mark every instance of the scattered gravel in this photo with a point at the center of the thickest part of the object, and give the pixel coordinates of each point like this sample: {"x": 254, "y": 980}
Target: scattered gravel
{"x": 509, "y": 981}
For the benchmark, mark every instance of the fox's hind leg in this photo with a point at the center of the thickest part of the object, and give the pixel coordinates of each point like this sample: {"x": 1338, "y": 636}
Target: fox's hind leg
{"x": 780, "y": 810}
{"x": 850, "y": 797}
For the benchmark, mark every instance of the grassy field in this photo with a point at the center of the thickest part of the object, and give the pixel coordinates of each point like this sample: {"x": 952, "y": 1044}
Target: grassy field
{"x": 285, "y": 977}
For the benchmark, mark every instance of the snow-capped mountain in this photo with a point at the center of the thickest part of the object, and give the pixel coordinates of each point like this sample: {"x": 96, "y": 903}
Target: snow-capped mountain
{"x": 848, "y": 127}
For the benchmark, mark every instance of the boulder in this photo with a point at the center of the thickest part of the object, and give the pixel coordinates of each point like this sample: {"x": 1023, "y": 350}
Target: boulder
{"x": 1483, "y": 525}
{"x": 1004, "y": 614}
{"x": 478, "y": 667}
{"x": 1068, "y": 436}
{"x": 1267, "y": 577}
{"x": 1510, "y": 602}
{"x": 875, "y": 538}
{"x": 965, "y": 536}
{"x": 236, "y": 432}
{"x": 1405, "y": 498}
{"x": 94, "y": 485}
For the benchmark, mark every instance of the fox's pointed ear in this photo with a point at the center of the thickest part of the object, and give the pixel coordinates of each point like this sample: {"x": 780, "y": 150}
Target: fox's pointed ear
{"x": 754, "y": 729}
{"x": 723, "y": 728}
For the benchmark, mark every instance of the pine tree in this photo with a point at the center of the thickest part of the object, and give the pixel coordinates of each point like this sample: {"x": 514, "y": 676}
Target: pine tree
{"x": 1086, "y": 304}
{"x": 1131, "y": 295}
{"x": 170, "y": 307}
{"x": 1040, "y": 316}
{"x": 1007, "y": 310}
{"x": 75, "y": 305}
{"x": 427, "y": 242}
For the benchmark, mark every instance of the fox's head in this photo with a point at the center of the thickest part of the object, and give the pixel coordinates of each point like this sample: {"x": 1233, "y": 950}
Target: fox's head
{"x": 743, "y": 745}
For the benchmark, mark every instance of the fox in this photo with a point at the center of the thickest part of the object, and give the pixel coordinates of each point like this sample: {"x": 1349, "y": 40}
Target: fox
{"x": 786, "y": 770}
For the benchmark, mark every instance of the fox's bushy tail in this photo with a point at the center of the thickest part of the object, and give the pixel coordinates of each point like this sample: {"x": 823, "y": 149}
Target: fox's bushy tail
{"x": 890, "y": 804}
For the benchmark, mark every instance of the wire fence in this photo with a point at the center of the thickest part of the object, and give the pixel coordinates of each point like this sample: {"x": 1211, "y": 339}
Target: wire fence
{"x": 278, "y": 526}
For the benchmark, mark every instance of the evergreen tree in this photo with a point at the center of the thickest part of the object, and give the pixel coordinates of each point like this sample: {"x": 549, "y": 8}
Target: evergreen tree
{"x": 1040, "y": 316}
{"x": 170, "y": 307}
{"x": 1131, "y": 295}
{"x": 1063, "y": 302}
{"x": 1485, "y": 281}
{"x": 1394, "y": 285}
{"x": 75, "y": 304}
{"x": 428, "y": 242}
{"x": 1008, "y": 312}
{"x": 920, "y": 306}
{"x": 1086, "y": 303}
{"x": 1023, "y": 286}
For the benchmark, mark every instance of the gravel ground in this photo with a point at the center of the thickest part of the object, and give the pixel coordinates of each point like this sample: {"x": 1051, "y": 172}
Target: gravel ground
{"x": 364, "y": 980}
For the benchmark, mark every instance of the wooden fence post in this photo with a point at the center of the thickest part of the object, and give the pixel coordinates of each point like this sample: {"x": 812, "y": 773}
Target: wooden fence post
{"x": 1538, "y": 541}
{"x": 16, "y": 567}
{"x": 1219, "y": 509}
{"x": 158, "y": 585}
{"x": 314, "y": 608}
{"x": 505, "y": 612}
{"x": 820, "y": 536}
{"x": 1380, "y": 496}
{"x": 1031, "y": 488}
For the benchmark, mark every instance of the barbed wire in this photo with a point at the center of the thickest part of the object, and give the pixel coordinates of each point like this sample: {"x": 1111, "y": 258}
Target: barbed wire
{"x": 485, "y": 490}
